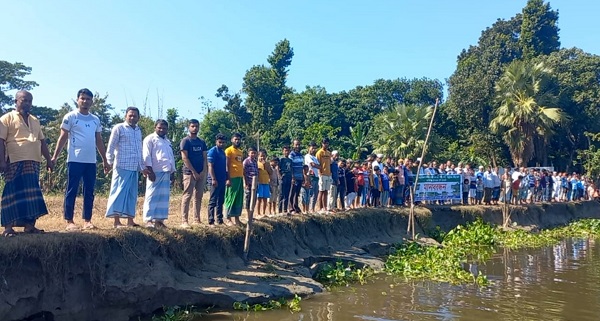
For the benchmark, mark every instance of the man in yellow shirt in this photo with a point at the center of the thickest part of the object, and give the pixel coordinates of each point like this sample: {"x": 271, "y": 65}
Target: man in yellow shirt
{"x": 22, "y": 145}
{"x": 234, "y": 191}
{"x": 324, "y": 158}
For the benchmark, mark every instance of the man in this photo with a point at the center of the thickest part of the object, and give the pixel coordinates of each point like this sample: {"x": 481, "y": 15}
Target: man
{"x": 377, "y": 161}
{"x": 81, "y": 128}
{"x": 311, "y": 161}
{"x": 217, "y": 171}
{"x": 335, "y": 182}
{"x": 194, "y": 154}
{"x": 324, "y": 159}
{"x": 234, "y": 190}
{"x": 488, "y": 186}
{"x": 124, "y": 154}
{"x": 22, "y": 143}
{"x": 250, "y": 165}
{"x": 285, "y": 170}
{"x": 341, "y": 187}
{"x": 297, "y": 161}
{"x": 157, "y": 153}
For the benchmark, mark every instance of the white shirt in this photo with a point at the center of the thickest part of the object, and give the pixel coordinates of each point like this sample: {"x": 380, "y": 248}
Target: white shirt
{"x": 515, "y": 175}
{"x": 308, "y": 158}
{"x": 157, "y": 153}
{"x": 82, "y": 136}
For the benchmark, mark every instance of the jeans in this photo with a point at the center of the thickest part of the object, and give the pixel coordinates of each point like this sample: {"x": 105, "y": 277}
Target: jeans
{"x": 314, "y": 193}
{"x": 341, "y": 194}
{"x": 364, "y": 194}
{"x": 193, "y": 189}
{"x": 215, "y": 203}
{"x": 399, "y": 195}
{"x": 284, "y": 196}
{"x": 385, "y": 196}
{"x": 296, "y": 186}
{"x": 75, "y": 173}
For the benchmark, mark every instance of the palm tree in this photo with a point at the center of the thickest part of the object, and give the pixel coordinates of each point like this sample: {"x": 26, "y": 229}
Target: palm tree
{"x": 359, "y": 139}
{"x": 401, "y": 130}
{"x": 520, "y": 119}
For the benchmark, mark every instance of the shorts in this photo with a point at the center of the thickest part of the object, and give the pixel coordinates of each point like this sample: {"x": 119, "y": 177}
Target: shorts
{"x": 263, "y": 191}
{"x": 274, "y": 189}
{"x": 324, "y": 183}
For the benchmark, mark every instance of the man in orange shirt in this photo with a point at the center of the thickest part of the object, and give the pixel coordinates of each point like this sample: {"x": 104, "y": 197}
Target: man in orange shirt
{"x": 22, "y": 143}
{"x": 324, "y": 157}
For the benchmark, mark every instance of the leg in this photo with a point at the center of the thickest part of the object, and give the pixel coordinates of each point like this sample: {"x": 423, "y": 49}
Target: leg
{"x": 89, "y": 182}
{"x": 212, "y": 204}
{"x": 198, "y": 193}
{"x": 74, "y": 175}
{"x": 220, "y": 201}
{"x": 188, "y": 189}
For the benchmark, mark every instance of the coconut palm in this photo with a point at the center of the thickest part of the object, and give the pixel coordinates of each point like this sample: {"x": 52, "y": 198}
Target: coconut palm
{"x": 520, "y": 119}
{"x": 401, "y": 130}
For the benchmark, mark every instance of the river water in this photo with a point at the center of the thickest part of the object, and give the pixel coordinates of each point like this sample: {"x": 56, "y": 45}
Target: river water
{"x": 553, "y": 283}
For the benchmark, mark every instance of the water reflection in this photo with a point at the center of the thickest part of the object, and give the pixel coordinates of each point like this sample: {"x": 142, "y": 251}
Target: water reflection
{"x": 561, "y": 282}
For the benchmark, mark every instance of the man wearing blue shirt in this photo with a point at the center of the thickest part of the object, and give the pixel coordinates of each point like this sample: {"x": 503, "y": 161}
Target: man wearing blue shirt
{"x": 297, "y": 176}
{"x": 217, "y": 176}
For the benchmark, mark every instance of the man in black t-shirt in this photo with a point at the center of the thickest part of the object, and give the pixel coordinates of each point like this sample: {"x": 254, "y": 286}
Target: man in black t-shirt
{"x": 193, "y": 153}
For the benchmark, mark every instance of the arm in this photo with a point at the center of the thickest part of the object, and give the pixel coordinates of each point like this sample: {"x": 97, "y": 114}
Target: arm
{"x": 2, "y": 155}
{"x": 188, "y": 163}
{"x": 205, "y": 156}
{"x": 147, "y": 158}
{"x": 113, "y": 142}
{"x": 46, "y": 154}
{"x": 268, "y": 168}
{"x": 60, "y": 144}
{"x": 211, "y": 171}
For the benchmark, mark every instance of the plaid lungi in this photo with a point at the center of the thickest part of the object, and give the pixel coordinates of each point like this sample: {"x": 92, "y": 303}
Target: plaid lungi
{"x": 22, "y": 199}
{"x": 156, "y": 201}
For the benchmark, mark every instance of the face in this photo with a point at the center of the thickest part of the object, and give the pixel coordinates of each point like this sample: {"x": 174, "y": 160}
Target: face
{"x": 311, "y": 149}
{"x": 84, "y": 102}
{"x": 342, "y": 164}
{"x": 262, "y": 157}
{"x": 132, "y": 117}
{"x": 23, "y": 102}
{"x": 236, "y": 142}
{"x": 252, "y": 154}
{"x": 286, "y": 152}
{"x": 161, "y": 129}
{"x": 325, "y": 145}
{"x": 297, "y": 146}
{"x": 193, "y": 128}
{"x": 220, "y": 143}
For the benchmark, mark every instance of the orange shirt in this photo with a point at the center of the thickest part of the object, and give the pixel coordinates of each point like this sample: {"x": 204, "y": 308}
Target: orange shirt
{"x": 22, "y": 142}
{"x": 324, "y": 158}
{"x": 234, "y": 157}
{"x": 263, "y": 173}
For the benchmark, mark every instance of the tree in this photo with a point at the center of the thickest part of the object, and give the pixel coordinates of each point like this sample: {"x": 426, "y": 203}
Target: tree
{"x": 520, "y": 119}
{"x": 218, "y": 121}
{"x": 234, "y": 105}
{"x": 401, "y": 131}
{"x": 359, "y": 140}
{"x": 539, "y": 30}
{"x": 11, "y": 78}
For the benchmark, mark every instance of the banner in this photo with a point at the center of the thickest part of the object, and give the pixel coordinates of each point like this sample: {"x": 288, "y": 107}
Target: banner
{"x": 439, "y": 188}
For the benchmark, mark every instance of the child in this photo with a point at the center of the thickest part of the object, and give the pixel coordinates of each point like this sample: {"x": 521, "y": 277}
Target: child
{"x": 375, "y": 185}
{"x": 472, "y": 190}
{"x": 264, "y": 174}
{"x": 306, "y": 187}
{"x": 274, "y": 181}
{"x": 365, "y": 195}
{"x": 385, "y": 187}
{"x": 515, "y": 186}
{"x": 360, "y": 182}
{"x": 465, "y": 193}
{"x": 350, "y": 189}
{"x": 479, "y": 190}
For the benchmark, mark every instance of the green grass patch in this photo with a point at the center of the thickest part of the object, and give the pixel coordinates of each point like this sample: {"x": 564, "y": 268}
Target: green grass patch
{"x": 293, "y": 305}
{"x": 340, "y": 274}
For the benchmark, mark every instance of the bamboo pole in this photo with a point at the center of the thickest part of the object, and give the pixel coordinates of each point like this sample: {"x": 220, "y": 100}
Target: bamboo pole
{"x": 411, "y": 220}
{"x": 250, "y": 217}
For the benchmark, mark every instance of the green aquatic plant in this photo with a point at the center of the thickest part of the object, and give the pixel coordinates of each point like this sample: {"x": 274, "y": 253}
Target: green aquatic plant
{"x": 340, "y": 274}
{"x": 177, "y": 313}
{"x": 293, "y": 305}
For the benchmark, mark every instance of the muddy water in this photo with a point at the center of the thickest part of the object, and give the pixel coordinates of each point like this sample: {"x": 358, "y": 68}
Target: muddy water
{"x": 555, "y": 283}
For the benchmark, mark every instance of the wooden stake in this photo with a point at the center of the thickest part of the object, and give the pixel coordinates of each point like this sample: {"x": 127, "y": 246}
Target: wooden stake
{"x": 413, "y": 190}
{"x": 250, "y": 217}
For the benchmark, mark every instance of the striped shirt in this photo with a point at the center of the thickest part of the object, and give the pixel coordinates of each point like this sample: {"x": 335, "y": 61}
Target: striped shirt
{"x": 250, "y": 170}
{"x": 125, "y": 147}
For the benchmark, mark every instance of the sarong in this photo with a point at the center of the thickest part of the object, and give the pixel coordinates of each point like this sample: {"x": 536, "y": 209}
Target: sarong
{"x": 123, "y": 193}
{"x": 22, "y": 200}
{"x": 156, "y": 202}
{"x": 234, "y": 197}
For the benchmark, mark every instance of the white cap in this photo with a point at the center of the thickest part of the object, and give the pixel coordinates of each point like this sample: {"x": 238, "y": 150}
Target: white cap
{"x": 335, "y": 152}
{"x": 379, "y": 155}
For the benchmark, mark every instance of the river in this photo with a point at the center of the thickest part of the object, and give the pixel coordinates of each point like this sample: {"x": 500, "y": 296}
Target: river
{"x": 561, "y": 282}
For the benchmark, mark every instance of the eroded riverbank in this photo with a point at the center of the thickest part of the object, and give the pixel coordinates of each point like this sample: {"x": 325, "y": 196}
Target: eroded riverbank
{"x": 120, "y": 274}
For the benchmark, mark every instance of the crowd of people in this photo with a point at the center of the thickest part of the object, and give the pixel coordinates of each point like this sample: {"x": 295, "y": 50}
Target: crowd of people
{"x": 319, "y": 181}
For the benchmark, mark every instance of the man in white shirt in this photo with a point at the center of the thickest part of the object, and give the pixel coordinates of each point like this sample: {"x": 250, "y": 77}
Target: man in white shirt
{"x": 377, "y": 161}
{"x": 488, "y": 186}
{"x": 311, "y": 160}
{"x": 157, "y": 154}
{"x": 83, "y": 131}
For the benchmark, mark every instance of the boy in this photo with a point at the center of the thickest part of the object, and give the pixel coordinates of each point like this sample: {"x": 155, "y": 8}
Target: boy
{"x": 306, "y": 188}
{"x": 274, "y": 182}
{"x": 264, "y": 176}
{"x": 465, "y": 193}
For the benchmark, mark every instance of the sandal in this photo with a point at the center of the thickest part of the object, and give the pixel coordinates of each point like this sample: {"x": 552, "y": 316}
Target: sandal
{"x": 89, "y": 226}
{"x": 72, "y": 227}
{"x": 34, "y": 230}
{"x": 9, "y": 233}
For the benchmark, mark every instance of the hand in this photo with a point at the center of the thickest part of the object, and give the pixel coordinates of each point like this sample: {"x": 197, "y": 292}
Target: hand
{"x": 53, "y": 160}
{"x": 215, "y": 183}
{"x": 227, "y": 183}
{"x": 151, "y": 176}
{"x": 172, "y": 178}
{"x": 49, "y": 165}
{"x": 106, "y": 166}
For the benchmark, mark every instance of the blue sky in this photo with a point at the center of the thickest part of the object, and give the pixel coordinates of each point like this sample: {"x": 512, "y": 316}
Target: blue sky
{"x": 181, "y": 50}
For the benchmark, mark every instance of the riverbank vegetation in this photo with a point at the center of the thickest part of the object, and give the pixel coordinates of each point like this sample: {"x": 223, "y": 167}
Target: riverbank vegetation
{"x": 340, "y": 274}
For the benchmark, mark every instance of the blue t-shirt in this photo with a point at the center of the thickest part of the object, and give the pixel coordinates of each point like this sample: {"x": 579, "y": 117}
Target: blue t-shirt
{"x": 385, "y": 182}
{"x": 335, "y": 176}
{"x": 297, "y": 163}
{"x": 195, "y": 150}
{"x": 216, "y": 157}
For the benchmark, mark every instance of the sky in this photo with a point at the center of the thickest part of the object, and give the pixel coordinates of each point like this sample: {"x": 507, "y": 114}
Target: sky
{"x": 170, "y": 53}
